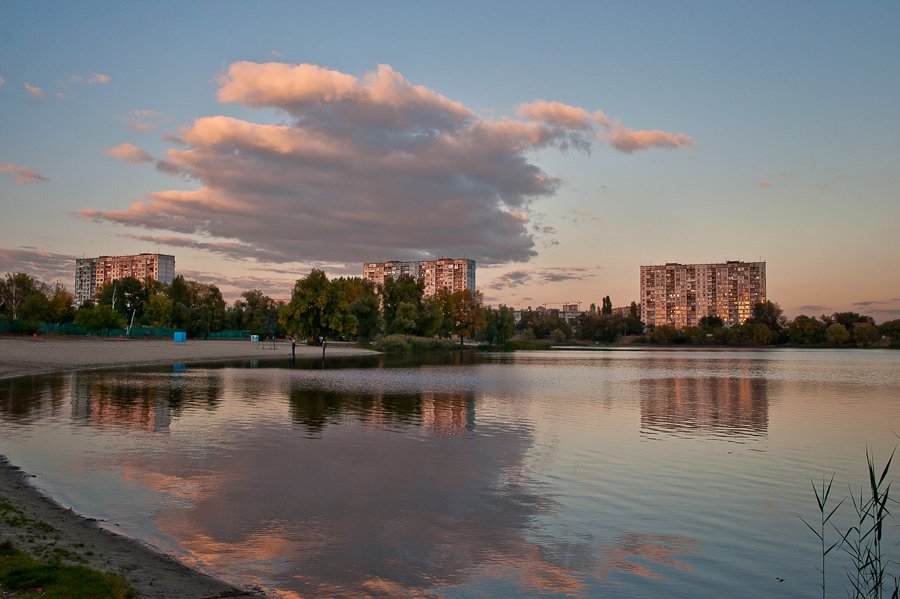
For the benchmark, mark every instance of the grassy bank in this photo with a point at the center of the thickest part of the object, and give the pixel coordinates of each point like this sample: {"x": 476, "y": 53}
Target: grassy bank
{"x": 52, "y": 571}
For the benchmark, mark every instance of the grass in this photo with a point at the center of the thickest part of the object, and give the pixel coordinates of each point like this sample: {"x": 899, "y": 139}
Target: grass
{"x": 25, "y": 577}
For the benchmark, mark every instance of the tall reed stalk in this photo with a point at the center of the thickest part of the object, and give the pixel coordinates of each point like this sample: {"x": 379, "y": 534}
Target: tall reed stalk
{"x": 864, "y": 542}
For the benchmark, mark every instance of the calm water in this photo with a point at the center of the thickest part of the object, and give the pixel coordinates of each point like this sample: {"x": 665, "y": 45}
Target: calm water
{"x": 606, "y": 473}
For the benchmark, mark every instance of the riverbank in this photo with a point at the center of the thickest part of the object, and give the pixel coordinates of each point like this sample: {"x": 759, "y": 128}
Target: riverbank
{"x": 26, "y": 356}
{"x": 38, "y": 525}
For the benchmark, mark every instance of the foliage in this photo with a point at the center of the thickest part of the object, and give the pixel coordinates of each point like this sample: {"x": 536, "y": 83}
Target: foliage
{"x": 865, "y": 334}
{"x": 500, "y": 325}
{"x": 607, "y": 306}
{"x": 255, "y": 312}
{"x": 664, "y": 335}
{"x": 23, "y": 296}
{"x": 306, "y": 313}
{"x": 543, "y": 322}
{"x": 837, "y": 334}
{"x": 158, "y": 311}
{"x": 805, "y": 330}
{"x": 408, "y": 343}
{"x": 467, "y": 312}
{"x": 98, "y": 318}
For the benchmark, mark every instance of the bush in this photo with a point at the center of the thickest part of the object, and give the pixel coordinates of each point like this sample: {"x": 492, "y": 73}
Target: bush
{"x": 403, "y": 344}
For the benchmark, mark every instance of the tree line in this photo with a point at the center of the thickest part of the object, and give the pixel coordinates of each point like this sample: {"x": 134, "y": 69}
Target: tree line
{"x": 353, "y": 308}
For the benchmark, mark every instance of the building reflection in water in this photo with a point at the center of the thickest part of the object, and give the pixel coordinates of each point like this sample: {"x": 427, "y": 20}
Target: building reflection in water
{"x": 143, "y": 400}
{"x": 439, "y": 413}
{"x": 705, "y": 406}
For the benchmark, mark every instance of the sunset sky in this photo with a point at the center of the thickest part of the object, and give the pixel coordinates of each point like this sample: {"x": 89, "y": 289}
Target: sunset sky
{"x": 561, "y": 146}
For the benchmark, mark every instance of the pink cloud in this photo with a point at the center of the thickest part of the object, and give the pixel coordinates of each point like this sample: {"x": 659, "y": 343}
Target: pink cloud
{"x": 23, "y": 175}
{"x": 561, "y": 114}
{"x": 129, "y": 153}
{"x": 98, "y": 78}
{"x": 365, "y": 166}
{"x": 144, "y": 119}
{"x": 35, "y": 92}
{"x": 2, "y": 81}
{"x": 630, "y": 140}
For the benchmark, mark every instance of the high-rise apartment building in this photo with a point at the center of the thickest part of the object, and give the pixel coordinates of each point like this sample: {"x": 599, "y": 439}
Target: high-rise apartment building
{"x": 92, "y": 273}
{"x": 682, "y": 294}
{"x": 444, "y": 273}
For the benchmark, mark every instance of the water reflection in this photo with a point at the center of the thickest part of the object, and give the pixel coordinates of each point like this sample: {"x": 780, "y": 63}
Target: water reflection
{"x": 715, "y": 406}
{"x": 147, "y": 401}
{"x": 642, "y": 554}
{"x": 439, "y": 413}
{"x": 25, "y": 398}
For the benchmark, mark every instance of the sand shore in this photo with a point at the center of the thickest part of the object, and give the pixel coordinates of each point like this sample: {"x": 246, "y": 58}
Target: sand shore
{"x": 36, "y": 523}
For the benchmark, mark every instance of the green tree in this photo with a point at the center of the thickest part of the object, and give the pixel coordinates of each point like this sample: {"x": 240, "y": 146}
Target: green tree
{"x": 665, "y": 335}
{"x": 207, "y": 313}
{"x": 805, "y": 330}
{"x": 129, "y": 294}
{"x": 364, "y": 307}
{"x": 837, "y": 334}
{"x": 711, "y": 322}
{"x": 770, "y": 314}
{"x": 402, "y": 290}
{"x": 62, "y": 304}
{"x": 158, "y": 311}
{"x": 891, "y": 330}
{"x": 98, "y": 318}
{"x": 607, "y": 306}
{"x": 20, "y": 291}
{"x": 468, "y": 313}
{"x": 254, "y": 311}
{"x": 865, "y": 334}
{"x": 305, "y": 314}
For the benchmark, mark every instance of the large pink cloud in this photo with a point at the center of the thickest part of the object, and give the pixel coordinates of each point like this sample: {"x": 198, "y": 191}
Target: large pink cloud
{"x": 364, "y": 168}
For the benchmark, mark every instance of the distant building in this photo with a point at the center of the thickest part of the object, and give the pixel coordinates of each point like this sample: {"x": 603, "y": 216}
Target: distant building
{"x": 681, "y": 295}
{"x": 92, "y": 273}
{"x": 444, "y": 273}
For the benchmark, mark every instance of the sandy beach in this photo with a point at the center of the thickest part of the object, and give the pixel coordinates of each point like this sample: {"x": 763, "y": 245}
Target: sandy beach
{"x": 35, "y": 523}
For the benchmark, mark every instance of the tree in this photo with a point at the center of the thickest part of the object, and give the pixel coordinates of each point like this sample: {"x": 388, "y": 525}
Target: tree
{"x": 804, "y": 330}
{"x": 99, "y": 317}
{"x": 500, "y": 325}
{"x": 402, "y": 290}
{"x": 15, "y": 290}
{"x": 607, "y": 306}
{"x": 664, "y": 335}
{"x": 468, "y": 313}
{"x": 712, "y": 322}
{"x": 770, "y": 314}
{"x": 837, "y": 334}
{"x": 62, "y": 304}
{"x": 363, "y": 306}
{"x": 255, "y": 312}
{"x": 129, "y": 295}
{"x": 158, "y": 311}
{"x": 891, "y": 330}
{"x": 851, "y": 319}
{"x": 865, "y": 334}
{"x": 306, "y": 312}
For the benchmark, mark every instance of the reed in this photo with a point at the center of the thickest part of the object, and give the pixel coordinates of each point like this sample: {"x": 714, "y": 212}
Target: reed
{"x": 870, "y": 572}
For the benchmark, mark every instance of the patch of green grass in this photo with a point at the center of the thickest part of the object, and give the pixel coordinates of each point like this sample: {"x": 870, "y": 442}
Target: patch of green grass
{"x": 28, "y": 578}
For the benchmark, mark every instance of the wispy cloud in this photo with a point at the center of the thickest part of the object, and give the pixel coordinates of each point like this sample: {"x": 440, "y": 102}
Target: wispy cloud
{"x": 129, "y": 153}
{"x": 144, "y": 119}
{"x": 2, "y": 81}
{"x": 23, "y": 175}
{"x": 631, "y": 140}
{"x": 92, "y": 79}
{"x": 531, "y": 276}
{"x": 365, "y": 166}
{"x": 46, "y": 266}
{"x": 35, "y": 93}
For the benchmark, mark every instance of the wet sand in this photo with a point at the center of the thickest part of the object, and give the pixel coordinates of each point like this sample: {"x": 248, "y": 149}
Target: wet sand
{"x": 36, "y": 523}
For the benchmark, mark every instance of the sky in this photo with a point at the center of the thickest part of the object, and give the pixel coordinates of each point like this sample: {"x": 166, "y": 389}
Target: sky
{"x": 561, "y": 146}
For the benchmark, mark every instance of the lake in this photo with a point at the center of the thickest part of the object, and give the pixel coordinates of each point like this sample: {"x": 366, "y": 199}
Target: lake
{"x": 565, "y": 473}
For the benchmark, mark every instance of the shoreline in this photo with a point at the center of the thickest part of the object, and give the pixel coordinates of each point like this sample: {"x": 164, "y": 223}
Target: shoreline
{"x": 37, "y": 524}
